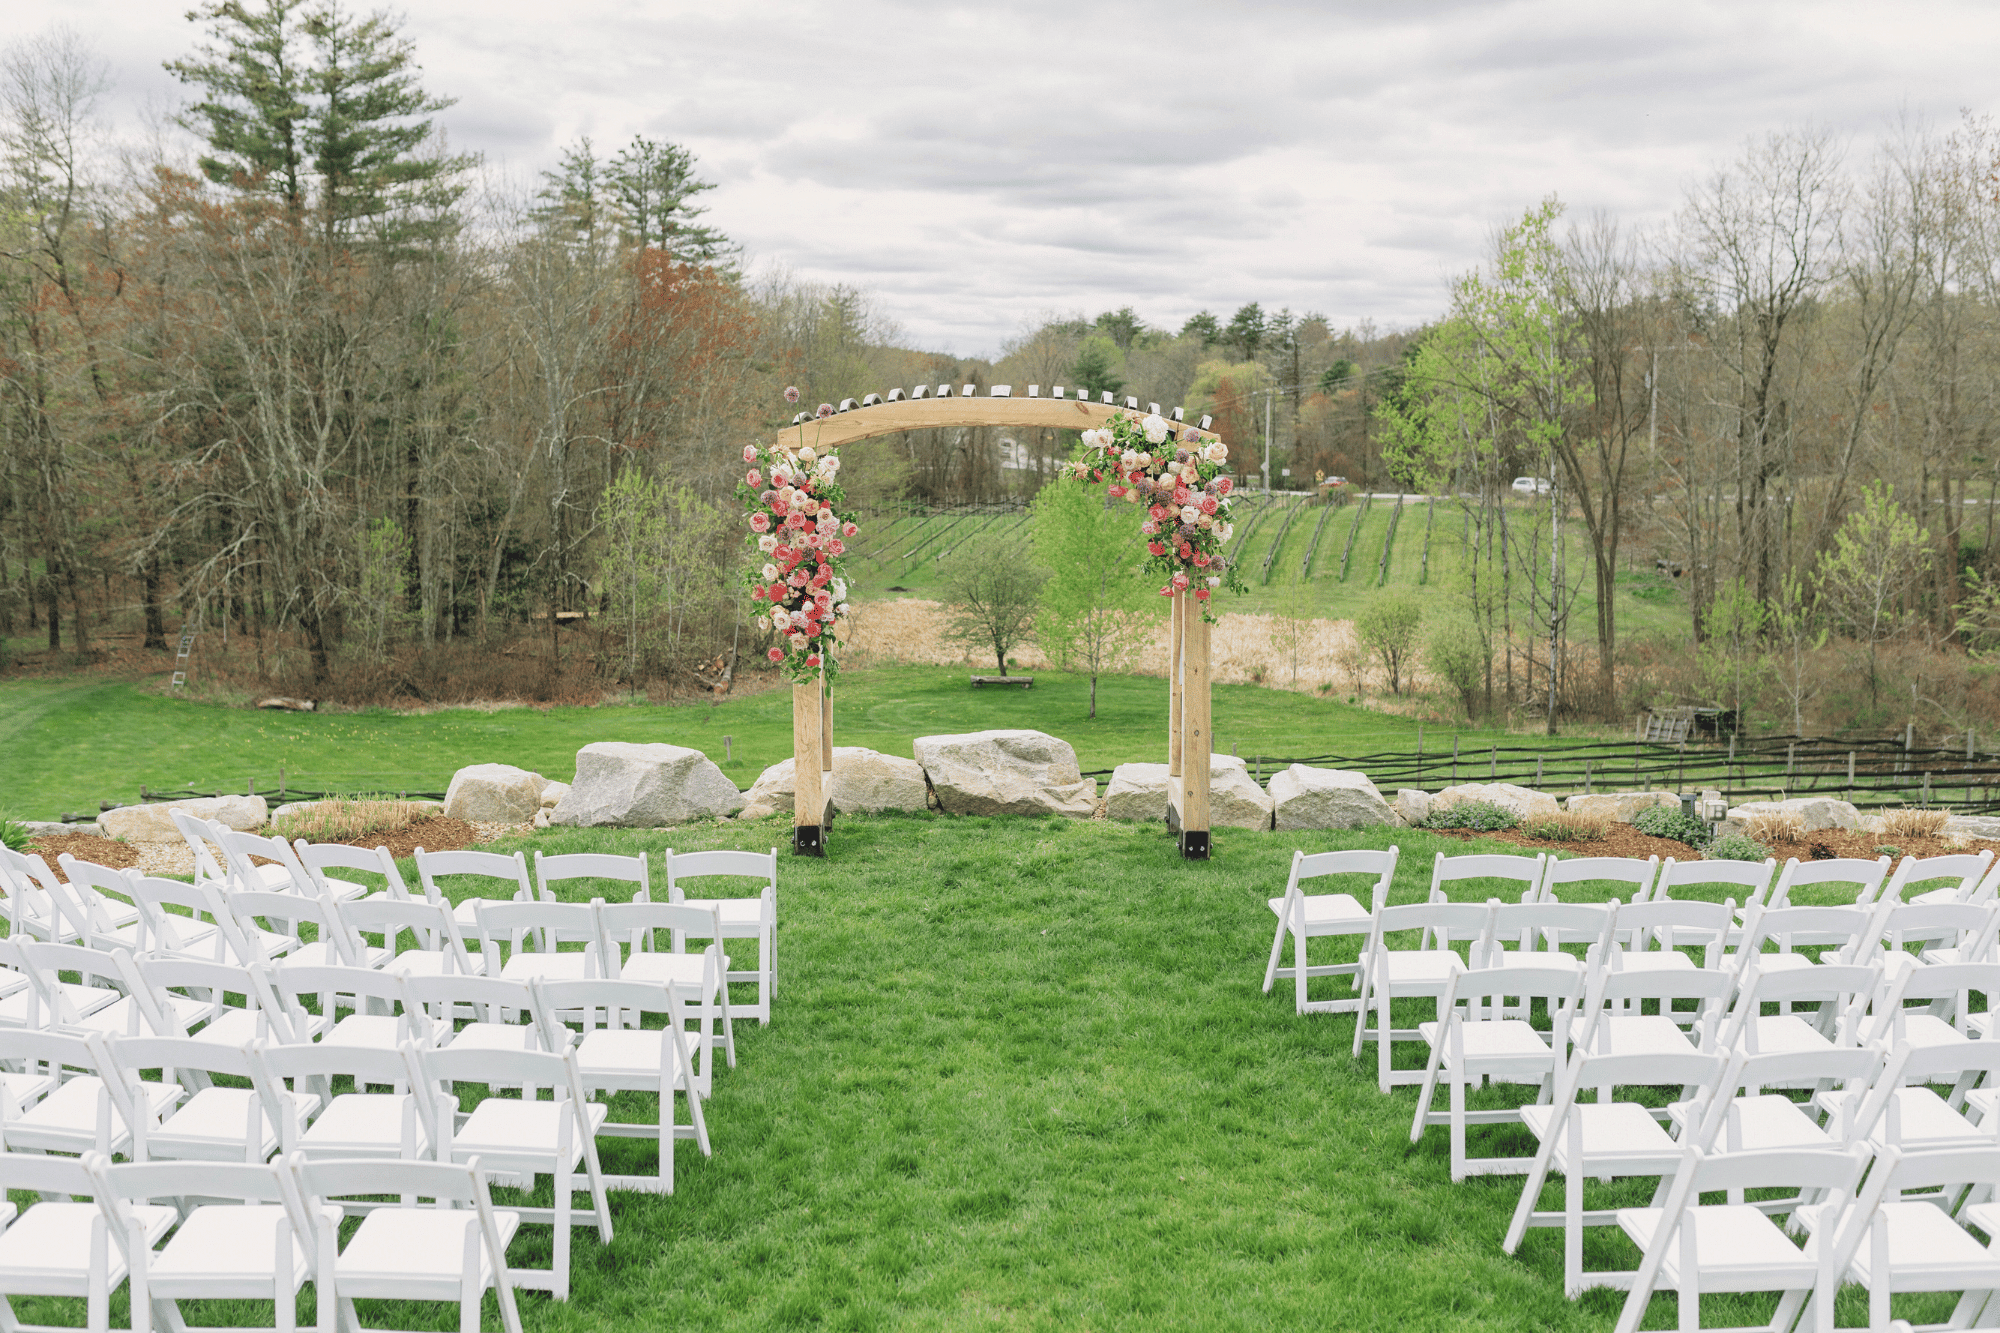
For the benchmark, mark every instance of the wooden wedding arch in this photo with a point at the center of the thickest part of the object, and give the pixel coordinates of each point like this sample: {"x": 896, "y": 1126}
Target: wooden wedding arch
{"x": 1189, "y": 735}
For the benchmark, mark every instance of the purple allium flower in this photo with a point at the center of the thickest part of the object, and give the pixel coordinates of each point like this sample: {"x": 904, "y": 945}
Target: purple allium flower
{"x": 791, "y": 393}
{"x": 825, "y": 410}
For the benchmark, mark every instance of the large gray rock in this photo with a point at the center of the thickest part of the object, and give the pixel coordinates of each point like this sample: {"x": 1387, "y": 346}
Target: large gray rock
{"x": 1814, "y": 812}
{"x": 1139, "y": 792}
{"x": 1006, "y": 773}
{"x": 1413, "y": 805}
{"x": 1521, "y": 802}
{"x": 642, "y": 786}
{"x": 1973, "y": 826}
{"x": 1307, "y": 798}
{"x": 154, "y": 823}
{"x": 40, "y": 828}
{"x": 864, "y": 782}
{"x": 1620, "y": 807}
{"x": 493, "y": 794}
{"x": 552, "y": 794}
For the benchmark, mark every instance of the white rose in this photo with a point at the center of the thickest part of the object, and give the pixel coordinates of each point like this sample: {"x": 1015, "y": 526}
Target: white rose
{"x": 797, "y": 640}
{"x": 770, "y": 572}
{"x": 1223, "y": 530}
{"x": 828, "y": 466}
{"x": 1155, "y": 428}
{"x": 806, "y": 455}
{"x": 1204, "y": 522}
{"x": 1189, "y": 513}
{"x": 1214, "y": 582}
{"x": 1216, "y": 452}
{"x": 767, "y": 543}
{"x": 778, "y": 617}
{"x": 1129, "y": 458}
{"x": 810, "y": 507}
{"x": 839, "y": 587}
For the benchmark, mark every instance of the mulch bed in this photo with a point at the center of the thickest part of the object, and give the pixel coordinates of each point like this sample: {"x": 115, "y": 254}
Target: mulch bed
{"x": 436, "y": 833}
{"x": 84, "y": 847}
{"x": 1822, "y": 845}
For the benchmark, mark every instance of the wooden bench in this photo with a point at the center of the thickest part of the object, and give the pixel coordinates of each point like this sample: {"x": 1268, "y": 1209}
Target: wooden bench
{"x": 1025, "y": 682}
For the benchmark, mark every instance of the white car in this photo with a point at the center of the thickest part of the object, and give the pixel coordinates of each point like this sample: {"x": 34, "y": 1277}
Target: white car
{"x": 1531, "y": 485}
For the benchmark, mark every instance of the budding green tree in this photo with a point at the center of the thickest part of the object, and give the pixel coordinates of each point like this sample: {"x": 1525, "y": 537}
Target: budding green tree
{"x": 1094, "y": 612}
{"x": 1878, "y": 554}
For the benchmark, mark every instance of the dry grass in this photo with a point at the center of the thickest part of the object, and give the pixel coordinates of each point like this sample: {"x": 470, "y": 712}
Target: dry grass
{"x": 1774, "y": 827}
{"x": 1566, "y": 826}
{"x": 341, "y": 820}
{"x": 1914, "y": 823}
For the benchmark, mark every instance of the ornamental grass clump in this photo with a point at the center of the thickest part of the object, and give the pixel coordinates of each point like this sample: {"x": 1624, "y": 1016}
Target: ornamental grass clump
{"x": 1915, "y": 823}
{"x": 1478, "y": 816}
{"x": 340, "y": 819}
{"x": 1667, "y": 821}
{"x": 1567, "y": 827}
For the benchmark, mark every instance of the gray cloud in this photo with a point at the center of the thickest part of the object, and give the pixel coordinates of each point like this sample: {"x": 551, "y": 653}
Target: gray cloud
{"x": 977, "y": 166}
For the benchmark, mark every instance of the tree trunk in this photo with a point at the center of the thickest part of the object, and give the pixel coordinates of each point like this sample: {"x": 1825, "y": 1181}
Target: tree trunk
{"x": 156, "y": 625}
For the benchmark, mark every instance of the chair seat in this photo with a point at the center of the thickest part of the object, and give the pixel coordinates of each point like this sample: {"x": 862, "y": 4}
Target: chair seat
{"x": 432, "y": 963}
{"x": 66, "y": 1119}
{"x": 1787, "y": 961}
{"x": 233, "y": 1027}
{"x": 1618, "y": 1134}
{"x": 744, "y": 917}
{"x": 380, "y": 1031}
{"x": 1772, "y": 1121}
{"x": 1783, "y": 1032}
{"x": 210, "y": 1127}
{"x": 1640, "y": 1034}
{"x": 1737, "y": 1248}
{"x": 495, "y": 1037}
{"x": 229, "y": 1251}
{"x": 27, "y": 1089}
{"x": 361, "y": 1124}
{"x": 1949, "y": 895}
{"x": 1926, "y": 1119}
{"x": 620, "y": 1053}
{"x": 48, "y": 1251}
{"x": 1655, "y": 960}
{"x": 659, "y": 968}
{"x": 506, "y": 1134}
{"x": 124, "y": 1019}
{"x": 568, "y": 965}
{"x": 1536, "y": 958}
{"x": 415, "y": 1253}
{"x": 1497, "y": 1045}
{"x": 1930, "y": 1030}
{"x": 1927, "y": 1251}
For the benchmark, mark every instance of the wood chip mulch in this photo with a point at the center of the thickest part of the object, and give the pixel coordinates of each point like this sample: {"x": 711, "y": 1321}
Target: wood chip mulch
{"x": 1822, "y": 845}
{"x": 437, "y": 833}
{"x": 84, "y": 847}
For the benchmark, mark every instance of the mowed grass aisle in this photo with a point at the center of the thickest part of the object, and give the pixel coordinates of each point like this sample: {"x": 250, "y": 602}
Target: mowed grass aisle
{"x": 1023, "y": 1074}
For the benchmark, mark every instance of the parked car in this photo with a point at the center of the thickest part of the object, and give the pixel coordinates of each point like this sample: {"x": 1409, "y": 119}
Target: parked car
{"x": 1531, "y": 485}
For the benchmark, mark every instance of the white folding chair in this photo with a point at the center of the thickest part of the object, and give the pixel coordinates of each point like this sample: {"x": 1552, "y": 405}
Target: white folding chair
{"x": 553, "y": 870}
{"x": 1716, "y": 880}
{"x": 268, "y": 923}
{"x": 210, "y": 867}
{"x": 404, "y": 1122}
{"x": 1967, "y": 869}
{"x": 437, "y": 945}
{"x": 1911, "y": 935}
{"x": 494, "y": 1010}
{"x": 629, "y": 948}
{"x": 81, "y": 1006}
{"x": 185, "y": 920}
{"x": 47, "y": 1001}
{"x": 1839, "y": 992}
{"x": 198, "y": 1005}
{"x": 616, "y": 1058}
{"x": 535, "y": 933}
{"x": 456, "y": 1251}
{"x": 321, "y": 859}
{"x": 257, "y": 1246}
{"x": 1525, "y": 871}
{"x": 1606, "y": 1139}
{"x": 380, "y": 1018}
{"x": 1865, "y": 877}
{"x": 217, "y": 1123}
{"x": 1474, "y": 1044}
{"x": 1652, "y": 935}
{"x": 1424, "y": 972}
{"x": 32, "y": 913}
{"x": 1900, "y": 1109}
{"x": 1613, "y": 1024}
{"x": 528, "y": 1137}
{"x": 91, "y": 1108}
{"x": 1303, "y": 916}
{"x": 508, "y": 873}
{"x": 1773, "y": 937}
{"x": 1945, "y": 990}
{"x": 1692, "y": 1249}
{"x": 1563, "y": 873}
{"x": 66, "y": 1247}
{"x": 753, "y": 917}
{"x": 1751, "y": 1111}
{"x": 98, "y": 903}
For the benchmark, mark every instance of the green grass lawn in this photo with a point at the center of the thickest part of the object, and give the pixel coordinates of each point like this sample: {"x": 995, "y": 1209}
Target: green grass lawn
{"x": 71, "y": 743}
{"x": 1022, "y": 1075}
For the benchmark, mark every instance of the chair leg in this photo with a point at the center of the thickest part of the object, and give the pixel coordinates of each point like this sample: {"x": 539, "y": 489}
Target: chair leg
{"x": 1299, "y": 972}
{"x": 1573, "y": 1230}
{"x": 1457, "y": 1126}
{"x": 1277, "y": 952}
{"x": 559, "y": 1285}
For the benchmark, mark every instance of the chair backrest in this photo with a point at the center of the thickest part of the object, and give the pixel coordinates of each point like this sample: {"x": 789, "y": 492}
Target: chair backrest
{"x": 200, "y": 837}
{"x": 1670, "y": 923}
{"x": 239, "y": 847}
{"x": 1866, "y": 876}
{"x": 510, "y": 869}
{"x": 1800, "y": 927}
{"x": 1690, "y": 1070}
{"x": 117, "y": 1186}
{"x": 1754, "y": 876}
{"x": 546, "y": 924}
{"x": 1444, "y": 923}
{"x": 1526, "y": 871}
{"x": 1551, "y": 923}
{"x": 1474, "y": 988}
{"x": 319, "y": 858}
{"x": 45, "y": 962}
{"x": 1935, "y": 923}
{"x": 220, "y": 979}
{"x": 441, "y": 997}
{"x": 280, "y": 913}
{"x": 631, "y": 926}
{"x": 1968, "y": 868}
{"x": 751, "y": 865}
{"x": 610, "y": 996}
{"x": 1843, "y": 989}
{"x": 1953, "y": 982}
{"x": 32, "y": 909}
{"x": 445, "y": 1066}
{"x": 58, "y": 1051}
{"x": 293, "y": 984}
{"x": 170, "y": 931}
{"x": 50, "y": 1175}
{"x": 1629, "y": 870}
{"x": 550, "y": 870}
{"x": 368, "y": 1066}
{"x": 1709, "y": 988}
{"x": 1851, "y": 1067}
{"x": 432, "y": 927}
{"x": 83, "y": 900}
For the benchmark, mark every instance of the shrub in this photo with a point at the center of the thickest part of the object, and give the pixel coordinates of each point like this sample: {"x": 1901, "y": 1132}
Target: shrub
{"x": 1736, "y": 847}
{"x": 1667, "y": 821}
{"x": 1479, "y": 816}
{"x": 1915, "y": 823}
{"x": 1888, "y": 850}
{"x": 1458, "y": 655}
{"x": 12, "y": 836}
{"x": 339, "y": 820}
{"x": 1775, "y": 826}
{"x": 1566, "y": 827}
{"x": 1387, "y": 627}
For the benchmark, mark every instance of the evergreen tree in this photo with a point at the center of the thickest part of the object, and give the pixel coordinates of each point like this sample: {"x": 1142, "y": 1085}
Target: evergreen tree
{"x": 1246, "y": 331}
{"x": 1122, "y": 326}
{"x": 1096, "y": 367}
{"x": 654, "y": 185}
{"x": 1203, "y": 326}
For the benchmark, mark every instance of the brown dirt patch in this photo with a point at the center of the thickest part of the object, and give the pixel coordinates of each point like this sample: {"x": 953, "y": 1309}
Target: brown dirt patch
{"x": 1821, "y": 845}
{"x": 434, "y": 834}
{"x": 84, "y": 847}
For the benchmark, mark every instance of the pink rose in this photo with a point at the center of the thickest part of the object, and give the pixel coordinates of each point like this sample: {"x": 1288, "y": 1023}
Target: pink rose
{"x": 757, "y": 593}
{"x": 784, "y": 555}
{"x": 1167, "y": 591}
{"x": 1181, "y": 495}
{"x": 797, "y": 578}
{"x": 1159, "y": 511}
{"x": 749, "y": 453}
{"x": 759, "y": 523}
{"x": 1117, "y": 492}
{"x": 1207, "y": 504}
{"x": 1156, "y": 548}
{"x": 837, "y": 547}
{"x": 777, "y": 654}
{"x": 1201, "y": 594}
{"x": 1148, "y": 528}
{"x": 849, "y": 529}
{"x": 777, "y": 593}
{"x": 812, "y": 659}
{"x": 1201, "y": 558}
{"x": 753, "y": 479}
{"x": 1225, "y": 487}
{"x": 1180, "y": 581}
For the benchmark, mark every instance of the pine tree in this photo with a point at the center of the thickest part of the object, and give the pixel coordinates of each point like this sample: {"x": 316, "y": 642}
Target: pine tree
{"x": 653, "y": 185}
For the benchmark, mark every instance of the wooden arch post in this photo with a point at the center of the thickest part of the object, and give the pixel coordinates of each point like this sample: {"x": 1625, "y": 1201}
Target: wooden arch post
{"x": 1190, "y": 737}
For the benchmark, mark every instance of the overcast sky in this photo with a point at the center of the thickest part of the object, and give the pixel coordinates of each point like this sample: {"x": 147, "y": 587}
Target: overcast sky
{"x": 974, "y": 167}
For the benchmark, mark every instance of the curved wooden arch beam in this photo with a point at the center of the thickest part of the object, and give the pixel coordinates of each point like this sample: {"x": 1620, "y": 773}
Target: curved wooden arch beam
{"x": 930, "y": 413}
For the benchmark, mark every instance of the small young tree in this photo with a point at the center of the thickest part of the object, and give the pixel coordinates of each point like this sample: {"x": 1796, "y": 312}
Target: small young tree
{"x": 1093, "y": 612}
{"x": 1796, "y": 637}
{"x": 375, "y": 600}
{"x": 1728, "y": 656}
{"x": 990, "y": 593}
{"x": 1877, "y": 555}
{"x": 1457, "y": 653}
{"x": 1292, "y": 623}
{"x": 1388, "y": 628}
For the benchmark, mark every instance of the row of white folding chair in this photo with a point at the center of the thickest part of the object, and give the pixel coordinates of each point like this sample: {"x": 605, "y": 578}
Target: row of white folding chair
{"x": 103, "y": 1225}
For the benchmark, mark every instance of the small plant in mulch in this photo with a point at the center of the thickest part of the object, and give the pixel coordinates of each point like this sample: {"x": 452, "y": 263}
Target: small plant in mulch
{"x": 1479, "y": 816}
{"x": 1667, "y": 821}
{"x": 1567, "y": 827}
{"x": 1819, "y": 851}
{"x": 1888, "y": 850}
{"x": 12, "y": 836}
{"x": 1736, "y": 847}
